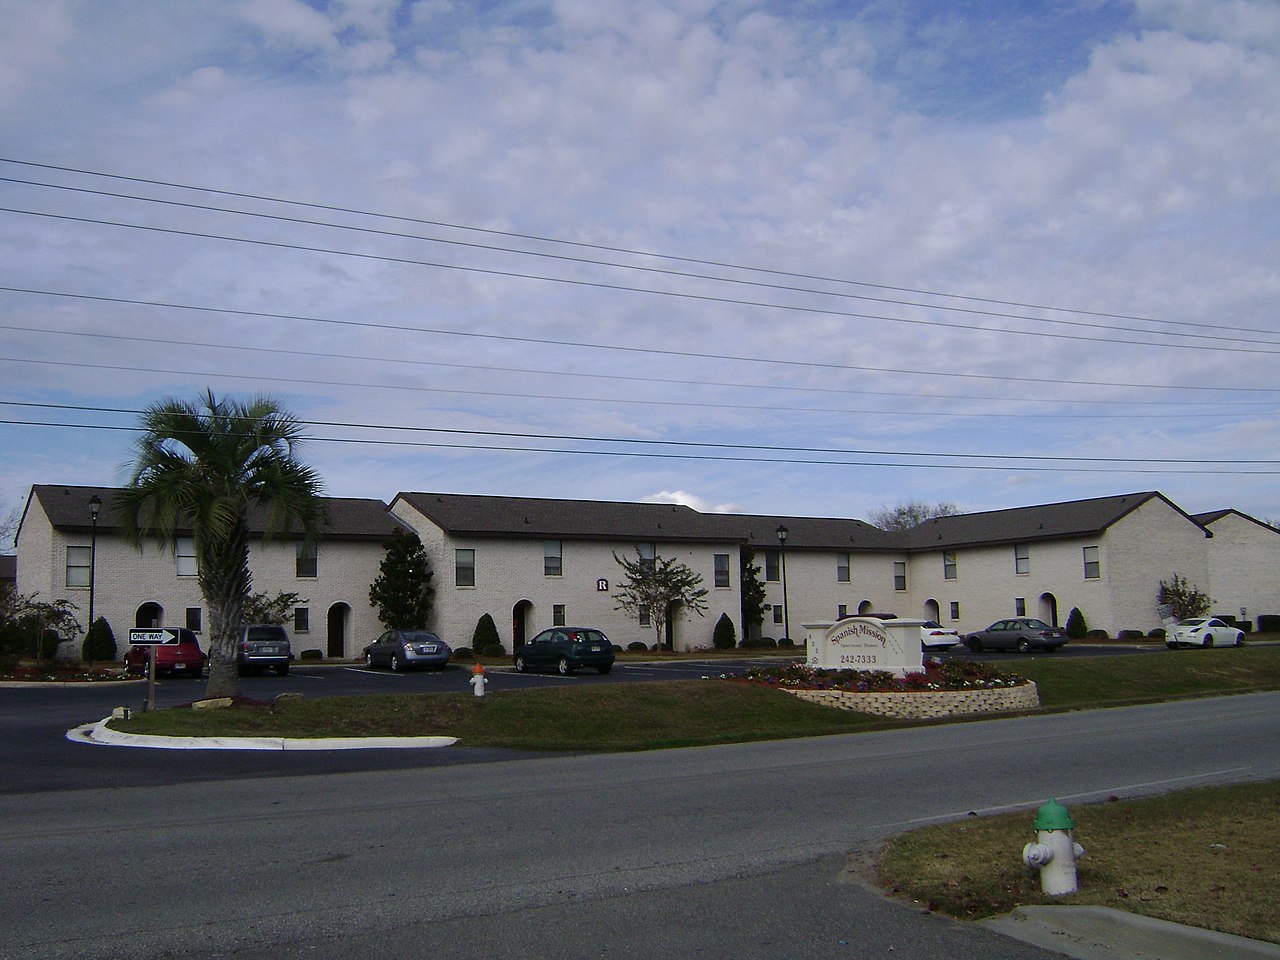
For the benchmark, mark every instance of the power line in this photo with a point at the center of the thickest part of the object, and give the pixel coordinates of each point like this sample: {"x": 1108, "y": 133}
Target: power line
{"x": 654, "y": 351}
{"x": 624, "y": 288}
{"x": 588, "y": 246}
{"x": 671, "y": 272}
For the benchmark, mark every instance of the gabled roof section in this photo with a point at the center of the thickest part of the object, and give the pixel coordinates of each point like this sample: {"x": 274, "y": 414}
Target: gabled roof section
{"x": 1213, "y": 516}
{"x": 481, "y": 516}
{"x": 1050, "y": 521}
{"x": 346, "y": 518}
{"x": 806, "y": 533}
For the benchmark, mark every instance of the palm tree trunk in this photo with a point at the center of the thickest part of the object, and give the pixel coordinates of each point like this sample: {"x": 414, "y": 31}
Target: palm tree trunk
{"x": 225, "y": 582}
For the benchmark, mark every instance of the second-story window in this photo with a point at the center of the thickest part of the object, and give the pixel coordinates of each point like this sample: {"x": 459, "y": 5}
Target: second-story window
{"x": 842, "y": 568}
{"x": 306, "y": 563}
{"x": 184, "y": 554}
{"x": 1021, "y": 558}
{"x": 552, "y": 559}
{"x": 771, "y": 566}
{"x": 948, "y": 564}
{"x": 1092, "y": 565}
{"x": 899, "y": 575}
{"x": 464, "y": 568}
{"x": 722, "y": 569}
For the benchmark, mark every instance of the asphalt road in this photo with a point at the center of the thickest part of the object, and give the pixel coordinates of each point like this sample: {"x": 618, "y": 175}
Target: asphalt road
{"x": 735, "y": 851}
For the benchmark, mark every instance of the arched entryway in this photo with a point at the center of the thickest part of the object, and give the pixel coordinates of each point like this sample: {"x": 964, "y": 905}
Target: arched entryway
{"x": 338, "y": 620}
{"x": 866, "y": 608}
{"x": 1049, "y": 609}
{"x": 149, "y": 616}
{"x": 932, "y": 611}
{"x": 520, "y": 623}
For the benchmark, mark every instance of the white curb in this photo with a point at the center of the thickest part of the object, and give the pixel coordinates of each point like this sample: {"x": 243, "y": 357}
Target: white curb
{"x": 102, "y": 735}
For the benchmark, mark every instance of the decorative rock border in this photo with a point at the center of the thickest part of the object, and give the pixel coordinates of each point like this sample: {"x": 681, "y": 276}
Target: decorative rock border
{"x": 928, "y": 704}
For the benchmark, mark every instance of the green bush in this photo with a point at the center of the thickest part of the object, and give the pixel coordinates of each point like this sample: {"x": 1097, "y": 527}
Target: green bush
{"x": 1269, "y": 623}
{"x": 1245, "y": 625}
{"x": 99, "y": 642}
{"x": 786, "y": 642}
{"x": 1156, "y": 634}
{"x": 313, "y": 654}
{"x": 635, "y": 646}
{"x": 462, "y": 653}
{"x": 485, "y": 640}
{"x": 725, "y": 635}
{"x": 1097, "y": 635}
{"x": 1077, "y": 629}
{"x": 1130, "y": 635}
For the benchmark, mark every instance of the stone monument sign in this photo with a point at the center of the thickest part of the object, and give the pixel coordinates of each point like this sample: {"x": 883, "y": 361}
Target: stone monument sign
{"x": 865, "y": 643}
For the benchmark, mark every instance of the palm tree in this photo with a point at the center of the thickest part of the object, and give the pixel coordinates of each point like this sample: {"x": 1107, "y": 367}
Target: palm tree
{"x": 203, "y": 467}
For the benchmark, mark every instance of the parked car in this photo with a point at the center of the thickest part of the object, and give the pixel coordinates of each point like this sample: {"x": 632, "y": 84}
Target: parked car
{"x": 1204, "y": 632}
{"x": 1018, "y": 633}
{"x": 182, "y": 658}
{"x": 566, "y": 649}
{"x": 263, "y": 645}
{"x": 405, "y": 649}
{"x": 934, "y": 636}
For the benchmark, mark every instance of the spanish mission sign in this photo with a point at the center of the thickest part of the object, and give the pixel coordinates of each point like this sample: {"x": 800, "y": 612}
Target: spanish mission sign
{"x": 865, "y": 643}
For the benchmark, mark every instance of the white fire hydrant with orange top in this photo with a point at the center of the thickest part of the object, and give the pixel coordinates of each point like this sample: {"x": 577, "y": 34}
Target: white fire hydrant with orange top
{"x": 1055, "y": 851}
{"x": 478, "y": 679}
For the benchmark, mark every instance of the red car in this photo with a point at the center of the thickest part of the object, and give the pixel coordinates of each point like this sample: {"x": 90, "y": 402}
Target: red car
{"x": 184, "y": 657}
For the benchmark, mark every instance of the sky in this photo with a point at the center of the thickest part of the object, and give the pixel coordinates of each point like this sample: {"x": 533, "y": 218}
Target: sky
{"x": 799, "y": 258}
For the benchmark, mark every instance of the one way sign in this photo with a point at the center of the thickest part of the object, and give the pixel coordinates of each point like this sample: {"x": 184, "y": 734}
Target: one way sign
{"x": 152, "y": 637}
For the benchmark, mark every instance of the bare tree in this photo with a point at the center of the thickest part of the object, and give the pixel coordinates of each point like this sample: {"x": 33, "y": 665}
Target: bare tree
{"x": 909, "y": 513}
{"x": 657, "y": 589}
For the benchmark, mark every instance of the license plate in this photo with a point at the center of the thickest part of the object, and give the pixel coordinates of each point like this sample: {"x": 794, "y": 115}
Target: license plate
{"x": 597, "y": 648}
{"x": 179, "y": 665}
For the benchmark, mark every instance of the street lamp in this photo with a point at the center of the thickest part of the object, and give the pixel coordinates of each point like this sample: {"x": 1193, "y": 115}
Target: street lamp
{"x": 95, "y": 506}
{"x": 782, "y": 559}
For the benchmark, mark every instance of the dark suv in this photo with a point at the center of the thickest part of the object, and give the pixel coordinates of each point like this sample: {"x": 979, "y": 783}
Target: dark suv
{"x": 566, "y": 649}
{"x": 263, "y": 645}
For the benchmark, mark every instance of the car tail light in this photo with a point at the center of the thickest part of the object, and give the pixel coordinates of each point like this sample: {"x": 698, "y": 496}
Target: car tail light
{"x": 408, "y": 648}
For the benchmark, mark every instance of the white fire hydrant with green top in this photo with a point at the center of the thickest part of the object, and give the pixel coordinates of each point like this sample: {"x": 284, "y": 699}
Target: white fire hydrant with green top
{"x": 1055, "y": 851}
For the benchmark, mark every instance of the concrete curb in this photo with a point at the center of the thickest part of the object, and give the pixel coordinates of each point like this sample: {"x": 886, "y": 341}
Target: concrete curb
{"x": 100, "y": 734}
{"x": 1104, "y": 933}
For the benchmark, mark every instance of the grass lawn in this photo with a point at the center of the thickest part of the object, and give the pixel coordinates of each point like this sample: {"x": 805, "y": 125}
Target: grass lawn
{"x": 1208, "y": 857}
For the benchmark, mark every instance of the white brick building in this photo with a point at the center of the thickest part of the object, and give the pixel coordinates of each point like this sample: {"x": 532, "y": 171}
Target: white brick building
{"x": 531, "y": 563}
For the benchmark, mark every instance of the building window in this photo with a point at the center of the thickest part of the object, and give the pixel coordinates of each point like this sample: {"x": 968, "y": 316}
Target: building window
{"x": 842, "y": 611}
{"x": 648, "y": 552}
{"x": 777, "y": 613}
{"x": 1019, "y": 606}
{"x": 552, "y": 559}
{"x": 948, "y": 564}
{"x": 644, "y": 618}
{"x": 771, "y": 568}
{"x": 301, "y": 619}
{"x": 1021, "y": 558}
{"x": 722, "y": 569}
{"x": 306, "y": 563}
{"x": 842, "y": 568}
{"x": 184, "y": 553}
{"x": 1092, "y": 566}
{"x": 78, "y": 560}
{"x": 464, "y": 568}
{"x": 557, "y": 615}
{"x": 955, "y": 609}
{"x": 193, "y": 619}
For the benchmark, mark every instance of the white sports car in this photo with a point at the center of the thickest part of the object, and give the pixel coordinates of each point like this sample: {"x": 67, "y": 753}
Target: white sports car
{"x": 1204, "y": 632}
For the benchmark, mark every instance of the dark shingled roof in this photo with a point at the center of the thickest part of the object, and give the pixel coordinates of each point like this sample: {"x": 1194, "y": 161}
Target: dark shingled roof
{"x": 806, "y": 533}
{"x": 1204, "y": 519}
{"x": 346, "y": 518}
{"x": 1051, "y": 521}
{"x": 479, "y": 516}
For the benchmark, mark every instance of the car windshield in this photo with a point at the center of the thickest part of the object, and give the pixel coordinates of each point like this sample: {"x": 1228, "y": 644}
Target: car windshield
{"x": 1192, "y": 623}
{"x": 586, "y": 636}
{"x": 265, "y": 633}
{"x": 1037, "y": 624}
{"x": 420, "y": 636}
{"x": 932, "y": 624}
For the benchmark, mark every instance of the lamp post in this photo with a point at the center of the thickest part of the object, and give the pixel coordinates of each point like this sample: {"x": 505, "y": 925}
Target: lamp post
{"x": 95, "y": 506}
{"x": 782, "y": 560}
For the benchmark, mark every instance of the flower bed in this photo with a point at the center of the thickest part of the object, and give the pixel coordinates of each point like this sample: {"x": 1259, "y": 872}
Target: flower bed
{"x": 60, "y": 672}
{"x": 943, "y": 689}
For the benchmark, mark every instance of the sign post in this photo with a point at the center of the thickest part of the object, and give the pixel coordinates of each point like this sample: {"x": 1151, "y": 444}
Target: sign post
{"x": 152, "y": 637}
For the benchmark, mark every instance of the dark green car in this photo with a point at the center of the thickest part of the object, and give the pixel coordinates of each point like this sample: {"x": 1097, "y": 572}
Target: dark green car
{"x": 565, "y": 649}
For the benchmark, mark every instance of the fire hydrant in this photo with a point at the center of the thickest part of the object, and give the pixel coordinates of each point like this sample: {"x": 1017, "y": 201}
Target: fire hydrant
{"x": 1055, "y": 851}
{"x": 478, "y": 679}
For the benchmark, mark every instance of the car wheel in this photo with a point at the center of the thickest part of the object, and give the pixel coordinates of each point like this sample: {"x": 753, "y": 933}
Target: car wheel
{"x": 605, "y": 669}
{"x": 368, "y": 659}
{"x": 395, "y": 662}
{"x": 521, "y": 666}
{"x": 1239, "y": 640}
{"x": 1208, "y": 639}
{"x": 563, "y": 667}
{"x": 974, "y": 645}
{"x": 282, "y": 670}
{"x": 1024, "y": 646}
{"x": 1171, "y": 645}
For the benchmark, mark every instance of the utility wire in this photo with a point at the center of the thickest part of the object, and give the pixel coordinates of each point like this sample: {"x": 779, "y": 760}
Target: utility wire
{"x": 668, "y": 271}
{"x": 587, "y": 246}
{"x": 568, "y": 281}
{"x": 654, "y": 351}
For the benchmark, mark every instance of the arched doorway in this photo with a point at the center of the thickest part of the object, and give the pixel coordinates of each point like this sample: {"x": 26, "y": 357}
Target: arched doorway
{"x": 520, "y": 623}
{"x": 1049, "y": 609}
{"x": 866, "y": 608}
{"x": 932, "y": 611}
{"x": 149, "y": 616}
{"x": 338, "y": 619}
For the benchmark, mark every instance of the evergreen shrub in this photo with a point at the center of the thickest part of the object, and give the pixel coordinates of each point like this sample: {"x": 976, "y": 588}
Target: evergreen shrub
{"x": 1077, "y": 629}
{"x": 725, "y": 636}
